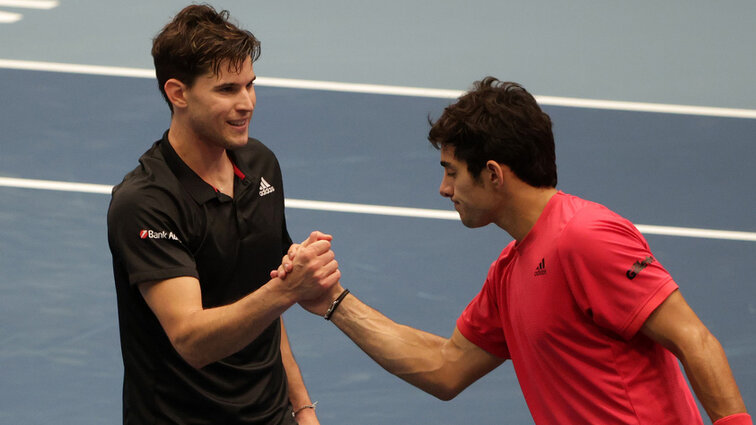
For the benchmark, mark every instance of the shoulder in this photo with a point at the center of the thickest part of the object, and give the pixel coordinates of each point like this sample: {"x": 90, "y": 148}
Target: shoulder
{"x": 256, "y": 159}
{"x": 591, "y": 219}
{"x": 255, "y": 150}
{"x": 149, "y": 186}
{"x": 594, "y": 227}
{"x": 257, "y": 145}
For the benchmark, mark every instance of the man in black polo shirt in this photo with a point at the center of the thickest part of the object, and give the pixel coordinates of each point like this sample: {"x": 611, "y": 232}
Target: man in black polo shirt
{"x": 194, "y": 231}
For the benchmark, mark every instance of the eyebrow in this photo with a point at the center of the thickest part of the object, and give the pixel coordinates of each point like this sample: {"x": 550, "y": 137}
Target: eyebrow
{"x": 233, "y": 84}
{"x": 223, "y": 85}
{"x": 446, "y": 164}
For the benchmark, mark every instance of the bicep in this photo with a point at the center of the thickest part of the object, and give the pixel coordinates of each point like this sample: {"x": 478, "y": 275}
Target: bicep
{"x": 173, "y": 301}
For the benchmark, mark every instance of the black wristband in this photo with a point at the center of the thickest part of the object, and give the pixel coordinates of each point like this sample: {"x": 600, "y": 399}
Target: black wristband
{"x": 335, "y": 304}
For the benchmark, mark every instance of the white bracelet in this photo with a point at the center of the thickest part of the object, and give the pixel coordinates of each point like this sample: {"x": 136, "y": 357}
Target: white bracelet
{"x": 306, "y": 406}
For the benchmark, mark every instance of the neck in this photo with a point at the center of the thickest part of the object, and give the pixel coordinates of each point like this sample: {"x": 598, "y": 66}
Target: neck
{"x": 210, "y": 162}
{"x": 523, "y": 208}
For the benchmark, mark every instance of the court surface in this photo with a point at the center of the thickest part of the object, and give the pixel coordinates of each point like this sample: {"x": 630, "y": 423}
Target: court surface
{"x": 668, "y": 172}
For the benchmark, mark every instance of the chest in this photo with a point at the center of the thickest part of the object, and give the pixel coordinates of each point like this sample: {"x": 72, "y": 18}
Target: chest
{"x": 539, "y": 307}
{"x": 235, "y": 243}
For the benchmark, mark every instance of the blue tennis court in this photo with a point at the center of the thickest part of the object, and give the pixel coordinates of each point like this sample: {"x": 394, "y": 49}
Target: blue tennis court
{"x": 59, "y": 349}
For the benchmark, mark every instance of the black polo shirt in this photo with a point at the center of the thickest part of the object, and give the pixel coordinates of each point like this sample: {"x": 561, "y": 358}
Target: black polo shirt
{"x": 164, "y": 221}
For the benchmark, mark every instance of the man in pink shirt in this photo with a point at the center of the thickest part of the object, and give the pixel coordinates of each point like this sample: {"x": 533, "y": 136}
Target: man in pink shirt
{"x": 593, "y": 323}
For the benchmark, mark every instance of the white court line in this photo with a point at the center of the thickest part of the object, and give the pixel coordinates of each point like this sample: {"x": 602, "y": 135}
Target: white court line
{"x": 9, "y": 18}
{"x": 358, "y": 88}
{"x": 371, "y": 209}
{"x": 30, "y": 4}
{"x": 646, "y": 107}
{"x": 394, "y": 90}
{"x": 378, "y": 209}
{"x": 112, "y": 71}
{"x": 696, "y": 233}
{"x": 54, "y": 185}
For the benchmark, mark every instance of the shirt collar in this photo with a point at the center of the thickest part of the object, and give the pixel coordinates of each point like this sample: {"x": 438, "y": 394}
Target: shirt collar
{"x": 194, "y": 185}
{"x": 541, "y": 223}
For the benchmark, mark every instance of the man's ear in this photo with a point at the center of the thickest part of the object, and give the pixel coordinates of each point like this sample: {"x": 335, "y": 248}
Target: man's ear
{"x": 175, "y": 91}
{"x": 496, "y": 172}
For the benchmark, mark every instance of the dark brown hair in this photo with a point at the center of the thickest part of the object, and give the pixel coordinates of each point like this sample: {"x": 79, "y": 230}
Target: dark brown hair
{"x": 196, "y": 42}
{"x": 499, "y": 121}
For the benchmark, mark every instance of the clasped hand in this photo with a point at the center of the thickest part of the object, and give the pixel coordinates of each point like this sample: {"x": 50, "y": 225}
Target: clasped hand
{"x": 310, "y": 269}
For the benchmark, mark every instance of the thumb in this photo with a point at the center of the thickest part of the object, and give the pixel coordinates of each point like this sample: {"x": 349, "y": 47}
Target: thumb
{"x": 316, "y": 236}
{"x": 310, "y": 239}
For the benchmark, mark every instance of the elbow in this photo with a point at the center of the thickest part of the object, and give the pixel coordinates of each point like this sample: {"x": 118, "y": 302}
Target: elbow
{"x": 443, "y": 383}
{"x": 188, "y": 352}
{"x": 437, "y": 387}
{"x": 446, "y": 396}
{"x": 195, "y": 362}
{"x": 445, "y": 392}
{"x": 190, "y": 343}
{"x": 699, "y": 343}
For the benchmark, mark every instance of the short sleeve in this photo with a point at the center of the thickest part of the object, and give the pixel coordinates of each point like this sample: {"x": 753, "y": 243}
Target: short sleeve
{"x": 611, "y": 271}
{"x": 146, "y": 239}
{"x": 285, "y": 237}
{"x": 481, "y": 321}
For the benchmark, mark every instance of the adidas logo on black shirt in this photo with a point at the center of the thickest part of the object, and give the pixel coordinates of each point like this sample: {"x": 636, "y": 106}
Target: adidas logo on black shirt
{"x": 265, "y": 187}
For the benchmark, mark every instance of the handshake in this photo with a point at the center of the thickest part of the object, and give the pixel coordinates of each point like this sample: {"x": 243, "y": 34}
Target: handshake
{"x": 310, "y": 274}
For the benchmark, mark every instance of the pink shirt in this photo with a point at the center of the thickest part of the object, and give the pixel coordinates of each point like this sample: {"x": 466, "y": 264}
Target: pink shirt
{"x": 565, "y": 304}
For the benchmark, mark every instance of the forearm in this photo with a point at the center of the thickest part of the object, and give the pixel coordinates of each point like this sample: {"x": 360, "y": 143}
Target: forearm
{"x": 418, "y": 357}
{"x": 711, "y": 378}
{"x": 676, "y": 327}
{"x": 298, "y": 395}
{"x": 209, "y": 335}
{"x": 203, "y": 336}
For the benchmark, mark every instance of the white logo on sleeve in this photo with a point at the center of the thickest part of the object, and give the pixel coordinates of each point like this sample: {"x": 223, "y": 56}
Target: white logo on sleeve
{"x": 152, "y": 234}
{"x": 265, "y": 187}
